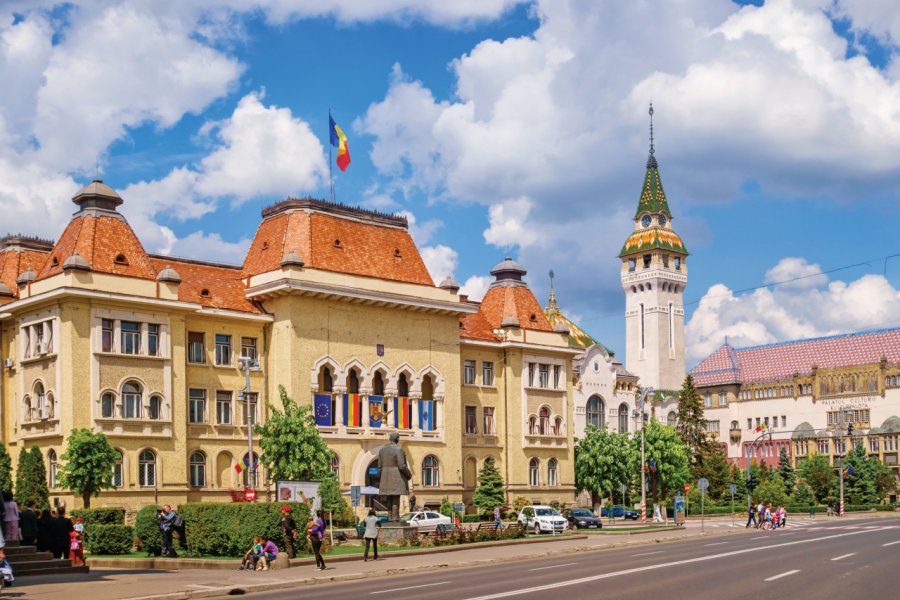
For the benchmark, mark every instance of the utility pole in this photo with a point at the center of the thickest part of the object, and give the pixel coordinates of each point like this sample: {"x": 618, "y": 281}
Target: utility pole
{"x": 247, "y": 363}
{"x": 843, "y": 453}
{"x": 644, "y": 392}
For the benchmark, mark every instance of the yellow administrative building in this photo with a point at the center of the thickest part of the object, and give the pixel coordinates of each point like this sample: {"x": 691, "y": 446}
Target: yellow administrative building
{"x": 332, "y": 302}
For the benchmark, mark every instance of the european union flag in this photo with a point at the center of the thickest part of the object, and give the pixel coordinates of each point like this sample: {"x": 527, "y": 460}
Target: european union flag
{"x": 322, "y": 407}
{"x": 426, "y": 415}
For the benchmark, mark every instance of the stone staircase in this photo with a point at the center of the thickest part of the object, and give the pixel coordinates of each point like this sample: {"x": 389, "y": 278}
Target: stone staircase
{"x": 26, "y": 560}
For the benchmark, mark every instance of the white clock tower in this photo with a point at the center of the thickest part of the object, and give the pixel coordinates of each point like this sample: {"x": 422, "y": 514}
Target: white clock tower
{"x": 654, "y": 275}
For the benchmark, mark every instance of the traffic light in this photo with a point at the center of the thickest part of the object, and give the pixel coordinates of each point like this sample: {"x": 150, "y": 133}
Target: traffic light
{"x": 850, "y": 429}
{"x": 752, "y": 482}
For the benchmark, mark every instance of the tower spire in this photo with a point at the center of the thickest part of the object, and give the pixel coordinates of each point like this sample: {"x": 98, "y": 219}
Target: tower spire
{"x": 651, "y": 160}
{"x": 552, "y": 306}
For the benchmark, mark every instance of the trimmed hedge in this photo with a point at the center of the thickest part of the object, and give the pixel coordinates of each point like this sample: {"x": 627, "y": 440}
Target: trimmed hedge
{"x": 104, "y": 516}
{"x": 227, "y": 529}
{"x": 109, "y": 539}
{"x": 147, "y": 535}
{"x": 868, "y": 507}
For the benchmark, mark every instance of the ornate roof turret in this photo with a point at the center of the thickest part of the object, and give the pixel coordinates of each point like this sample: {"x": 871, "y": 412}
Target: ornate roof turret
{"x": 653, "y": 197}
{"x": 449, "y": 284}
{"x": 169, "y": 275}
{"x": 27, "y": 276}
{"x": 97, "y": 194}
{"x": 291, "y": 259}
{"x": 76, "y": 262}
{"x": 508, "y": 272}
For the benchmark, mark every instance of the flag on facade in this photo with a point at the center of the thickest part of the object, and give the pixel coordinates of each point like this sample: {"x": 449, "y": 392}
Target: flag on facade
{"x": 240, "y": 468}
{"x": 849, "y": 471}
{"x": 401, "y": 409}
{"x": 652, "y": 464}
{"x": 426, "y": 415}
{"x": 378, "y": 411}
{"x": 352, "y": 413}
{"x": 339, "y": 141}
{"x": 761, "y": 427}
{"x": 322, "y": 402}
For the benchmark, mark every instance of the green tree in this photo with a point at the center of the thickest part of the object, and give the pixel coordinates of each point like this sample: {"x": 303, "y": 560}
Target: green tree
{"x": 786, "y": 471}
{"x": 6, "y": 482}
{"x": 772, "y": 491}
{"x": 446, "y": 508}
{"x": 292, "y": 448}
{"x": 669, "y": 456}
{"x": 885, "y": 484}
{"x": 334, "y": 502}
{"x": 738, "y": 477}
{"x": 490, "y": 491}
{"x": 88, "y": 464}
{"x": 803, "y": 495}
{"x": 31, "y": 478}
{"x": 691, "y": 422}
{"x": 714, "y": 467}
{"x": 818, "y": 474}
{"x": 603, "y": 461}
{"x": 859, "y": 487}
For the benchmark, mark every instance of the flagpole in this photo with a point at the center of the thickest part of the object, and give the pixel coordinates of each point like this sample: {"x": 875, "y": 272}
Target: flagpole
{"x": 330, "y": 176}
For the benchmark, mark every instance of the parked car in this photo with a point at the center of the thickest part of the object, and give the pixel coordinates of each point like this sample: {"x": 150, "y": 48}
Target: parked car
{"x": 582, "y": 518}
{"x": 619, "y": 511}
{"x": 426, "y": 520}
{"x": 539, "y": 519}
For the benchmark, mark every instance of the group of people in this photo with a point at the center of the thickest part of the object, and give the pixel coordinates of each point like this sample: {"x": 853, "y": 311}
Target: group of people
{"x": 761, "y": 516}
{"x": 264, "y": 549}
{"x": 51, "y": 530}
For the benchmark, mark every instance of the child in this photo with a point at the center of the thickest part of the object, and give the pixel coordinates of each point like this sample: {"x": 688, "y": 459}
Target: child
{"x": 250, "y": 557}
{"x": 76, "y": 550}
{"x": 79, "y": 525}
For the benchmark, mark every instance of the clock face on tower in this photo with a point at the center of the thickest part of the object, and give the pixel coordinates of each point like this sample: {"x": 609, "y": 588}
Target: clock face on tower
{"x": 645, "y": 220}
{"x": 662, "y": 220}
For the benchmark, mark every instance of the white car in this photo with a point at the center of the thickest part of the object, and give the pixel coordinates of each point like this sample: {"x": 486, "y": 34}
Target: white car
{"x": 426, "y": 520}
{"x": 539, "y": 519}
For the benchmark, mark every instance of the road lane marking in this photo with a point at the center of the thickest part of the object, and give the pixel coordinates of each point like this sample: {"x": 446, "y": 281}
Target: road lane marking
{"x": 843, "y": 556}
{"x": 658, "y": 552}
{"x": 716, "y": 544}
{"x": 412, "y": 587}
{"x": 891, "y": 543}
{"x": 762, "y": 537}
{"x": 785, "y": 574}
{"x": 687, "y": 561}
{"x": 553, "y": 566}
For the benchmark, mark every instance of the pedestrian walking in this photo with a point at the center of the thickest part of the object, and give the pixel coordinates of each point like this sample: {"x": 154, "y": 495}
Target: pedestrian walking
{"x": 166, "y": 518}
{"x": 43, "y": 531}
{"x": 28, "y": 524}
{"x": 751, "y": 516}
{"x": 498, "y": 520}
{"x": 783, "y": 511}
{"x": 10, "y": 517}
{"x": 760, "y": 515}
{"x": 76, "y": 549}
{"x": 370, "y": 535}
{"x": 315, "y": 528}
{"x": 288, "y": 531}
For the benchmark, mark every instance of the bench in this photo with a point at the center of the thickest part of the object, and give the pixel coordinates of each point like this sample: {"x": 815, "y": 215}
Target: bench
{"x": 515, "y": 527}
{"x": 444, "y": 529}
{"x": 488, "y": 526}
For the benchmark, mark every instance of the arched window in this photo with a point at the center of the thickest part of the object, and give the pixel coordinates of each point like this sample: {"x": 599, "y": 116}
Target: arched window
{"x": 41, "y": 400}
{"x": 544, "y": 416}
{"x": 198, "y": 469}
{"x": 430, "y": 472}
{"x": 672, "y": 418}
{"x": 623, "y": 418}
{"x": 336, "y": 466}
{"x": 532, "y": 425}
{"x": 734, "y": 425}
{"x": 155, "y": 408}
{"x": 352, "y": 382}
{"x": 118, "y": 472}
{"x": 326, "y": 382}
{"x": 534, "y": 475}
{"x": 557, "y": 426}
{"x": 29, "y": 414}
{"x": 551, "y": 472}
{"x": 402, "y": 386}
{"x": 131, "y": 400}
{"x": 54, "y": 468}
{"x": 107, "y": 405}
{"x": 427, "y": 388}
{"x": 595, "y": 410}
{"x": 147, "y": 469}
{"x": 378, "y": 384}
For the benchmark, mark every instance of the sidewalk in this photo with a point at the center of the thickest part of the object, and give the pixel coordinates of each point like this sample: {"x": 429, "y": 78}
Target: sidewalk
{"x": 117, "y": 584}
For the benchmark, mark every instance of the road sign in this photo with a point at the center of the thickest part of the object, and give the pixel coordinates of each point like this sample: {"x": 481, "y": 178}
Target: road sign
{"x": 733, "y": 489}
{"x": 687, "y": 488}
{"x": 459, "y": 507}
{"x": 703, "y": 484}
{"x": 250, "y": 495}
{"x": 623, "y": 488}
{"x": 354, "y": 495}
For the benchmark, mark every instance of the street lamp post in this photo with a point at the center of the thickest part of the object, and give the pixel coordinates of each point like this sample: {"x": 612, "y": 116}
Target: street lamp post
{"x": 843, "y": 453}
{"x": 247, "y": 364}
{"x": 644, "y": 392}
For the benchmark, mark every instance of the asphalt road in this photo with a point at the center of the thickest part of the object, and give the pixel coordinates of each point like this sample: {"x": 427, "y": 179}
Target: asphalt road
{"x": 846, "y": 560}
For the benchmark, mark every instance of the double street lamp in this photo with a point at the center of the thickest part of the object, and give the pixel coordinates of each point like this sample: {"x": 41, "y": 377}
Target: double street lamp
{"x": 248, "y": 364}
{"x": 644, "y": 392}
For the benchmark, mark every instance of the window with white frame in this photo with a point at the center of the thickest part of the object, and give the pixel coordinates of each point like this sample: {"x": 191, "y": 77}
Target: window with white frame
{"x": 556, "y": 372}
{"x": 712, "y": 426}
{"x": 783, "y": 421}
{"x": 130, "y": 337}
{"x": 107, "y": 334}
{"x": 107, "y": 405}
{"x": 118, "y": 479}
{"x": 749, "y": 423}
{"x": 890, "y": 443}
{"x": 252, "y": 397}
{"x": 198, "y": 469}
{"x": 551, "y": 472}
{"x": 196, "y": 405}
{"x": 534, "y": 472}
{"x": 249, "y": 349}
{"x": 488, "y": 420}
{"x": 154, "y": 408}
{"x": 874, "y": 446}
{"x": 430, "y": 472}
{"x": 196, "y": 348}
{"x": 223, "y": 350}
{"x": 53, "y": 471}
{"x": 487, "y": 373}
{"x": 723, "y": 399}
{"x": 801, "y": 448}
{"x": 544, "y": 417}
{"x": 153, "y": 348}
{"x": 531, "y": 374}
{"x": 468, "y": 372}
{"x": 132, "y": 398}
{"x": 822, "y": 447}
{"x": 595, "y": 412}
{"x": 37, "y": 339}
{"x": 543, "y": 375}
{"x": 707, "y": 400}
{"x": 223, "y": 407}
{"x": 147, "y": 468}
{"x": 471, "y": 420}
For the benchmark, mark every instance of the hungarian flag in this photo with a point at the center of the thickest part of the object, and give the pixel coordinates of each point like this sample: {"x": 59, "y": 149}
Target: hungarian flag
{"x": 339, "y": 141}
{"x": 401, "y": 409}
{"x": 322, "y": 404}
{"x": 352, "y": 412}
{"x": 426, "y": 415}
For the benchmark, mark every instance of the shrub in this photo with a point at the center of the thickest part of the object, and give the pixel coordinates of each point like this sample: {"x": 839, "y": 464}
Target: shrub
{"x": 220, "y": 529}
{"x": 146, "y": 531}
{"x": 109, "y": 539}
{"x": 98, "y": 516}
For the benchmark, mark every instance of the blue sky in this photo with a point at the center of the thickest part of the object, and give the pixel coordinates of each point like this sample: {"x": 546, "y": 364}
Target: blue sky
{"x": 500, "y": 127}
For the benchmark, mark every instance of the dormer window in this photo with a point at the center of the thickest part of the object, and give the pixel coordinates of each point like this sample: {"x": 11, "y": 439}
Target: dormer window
{"x": 54, "y": 261}
{"x": 265, "y": 245}
{"x": 121, "y": 260}
{"x": 397, "y": 253}
{"x": 337, "y": 243}
{"x": 204, "y": 292}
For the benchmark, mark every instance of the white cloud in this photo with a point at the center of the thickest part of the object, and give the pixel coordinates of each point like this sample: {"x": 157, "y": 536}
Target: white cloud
{"x": 211, "y": 247}
{"x": 787, "y": 312}
{"x": 509, "y": 224}
{"x": 795, "y": 273}
{"x": 441, "y": 13}
{"x": 440, "y": 261}
{"x": 476, "y": 287}
{"x": 421, "y": 232}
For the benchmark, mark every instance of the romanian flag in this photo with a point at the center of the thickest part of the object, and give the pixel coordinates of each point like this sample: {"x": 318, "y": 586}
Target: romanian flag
{"x": 761, "y": 427}
{"x": 339, "y": 141}
{"x": 849, "y": 471}
{"x": 352, "y": 412}
{"x": 240, "y": 468}
{"x": 401, "y": 409}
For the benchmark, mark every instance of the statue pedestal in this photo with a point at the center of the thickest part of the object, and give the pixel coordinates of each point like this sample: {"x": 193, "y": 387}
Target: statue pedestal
{"x": 393, "y": 532}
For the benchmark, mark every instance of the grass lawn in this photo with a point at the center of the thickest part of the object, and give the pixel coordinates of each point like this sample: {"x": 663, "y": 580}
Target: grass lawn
{"x": 615, "y": 530}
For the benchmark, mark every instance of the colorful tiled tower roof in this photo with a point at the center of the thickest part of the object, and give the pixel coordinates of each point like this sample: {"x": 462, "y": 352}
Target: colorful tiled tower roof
{"x": 578, "y": 337}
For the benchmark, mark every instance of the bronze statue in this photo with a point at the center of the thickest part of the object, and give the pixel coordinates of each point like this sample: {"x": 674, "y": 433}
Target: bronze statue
{"x": 394, "y": 475}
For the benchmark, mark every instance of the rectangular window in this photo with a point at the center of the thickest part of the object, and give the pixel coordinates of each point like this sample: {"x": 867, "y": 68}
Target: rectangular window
{"x": 671, "y": 325}
{"x": 471, "y": 420}
{"x": 130, "y": 338}
{"x": 677, "y": 263}
{"x": 223, "y": 407}
{"x": 531, "y": 374}
{"x": 153, "y": 339}
{"x": 196, "y": 406}
{"x": 487, "y": 373}
{"x": 254, "y": 407}
{"x": 469, "y": 372}
{"x": 757, "y": 421}
{"x": 107, "y": 331}
{"x": 890, "y": 443}
{"x": 784, "y": 421}
{"x": 665, "y": 259}
{"x": 749, "y": 423}
{"x": 488, "y": 414}
{"x": 647, "y": 259}
{"x": 873, "y": 445}
{"x": 822, "y": 446}
{"x": 632, "y": 265}
{"x": 707, "y": 400}
{"x": 543, "y": 375}
{"x": 196, "y": 348}
{"x": 766, "y": 421}
{"x": 712, "y": 426}
{"x": 248, "y": 348}
{"x": 723, "y": 399}
{"x": 131, "y": 405}
{"x": 642, "y": 326}
{"x": 556, "y": 371}
{"x": 223, "y": 349}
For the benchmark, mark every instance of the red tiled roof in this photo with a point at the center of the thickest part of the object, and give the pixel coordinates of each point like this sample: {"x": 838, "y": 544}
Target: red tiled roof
{"x": 225, "y": 285}
{"x": 367, "y": 247}
{"x": 100, "y": 240}
{"x": 15, "y": 262}
{"x": 502, "y": 301}
{"x": 476, "y": 327}
{"x": 779, "y": 362}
